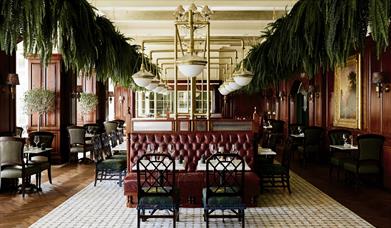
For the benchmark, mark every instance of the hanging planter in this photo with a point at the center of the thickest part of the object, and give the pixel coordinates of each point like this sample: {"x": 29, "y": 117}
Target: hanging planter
{"x": 40, "y": 101}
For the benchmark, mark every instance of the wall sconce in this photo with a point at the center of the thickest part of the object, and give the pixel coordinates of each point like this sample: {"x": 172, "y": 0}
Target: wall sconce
{"x": 110, "y": 95}
{"x": 121, "y": 99}
{"x": 281, "y": 95}
{"x": 76, "y": 93}
{"x": 313, "y": 91}
{"x": 379, "y": 79}
{"x": 12, "y": 80}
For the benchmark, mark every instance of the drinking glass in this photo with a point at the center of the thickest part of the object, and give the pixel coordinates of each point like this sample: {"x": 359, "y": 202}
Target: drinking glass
{"x": 345, "y": 138}
{"x": 36, "y": 140}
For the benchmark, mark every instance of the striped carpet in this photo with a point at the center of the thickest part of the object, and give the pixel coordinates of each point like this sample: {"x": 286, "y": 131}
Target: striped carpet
{"x": 104, "y": 206}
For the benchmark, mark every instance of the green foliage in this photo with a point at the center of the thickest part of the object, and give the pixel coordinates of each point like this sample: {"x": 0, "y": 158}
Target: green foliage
{"x": 88, "y": 102}
{"x": 316, "y": 36}
{"x": 39, "y": 101}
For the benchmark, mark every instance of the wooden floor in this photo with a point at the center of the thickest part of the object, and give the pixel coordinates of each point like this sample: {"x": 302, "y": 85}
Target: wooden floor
{"x": 67, "y": 180}
{"x": 371, "y": 203}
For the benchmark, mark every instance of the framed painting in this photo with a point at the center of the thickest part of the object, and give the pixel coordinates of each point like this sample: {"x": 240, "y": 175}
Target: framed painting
{"x": 347, "y": 93}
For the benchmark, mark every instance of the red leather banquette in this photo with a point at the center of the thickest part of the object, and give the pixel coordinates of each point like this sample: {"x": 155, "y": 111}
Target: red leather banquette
{"x": 191, "y": 146}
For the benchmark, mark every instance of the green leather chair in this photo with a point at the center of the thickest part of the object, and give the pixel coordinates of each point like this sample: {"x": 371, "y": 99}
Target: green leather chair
{"x": 110, "y": 126}
{"x": 337, "y": 159}
{"x": 12, "y": 162}
{"x": 312, "y": 144}
{"x": 77, "y": 142}
{"x": 368, "y": 160}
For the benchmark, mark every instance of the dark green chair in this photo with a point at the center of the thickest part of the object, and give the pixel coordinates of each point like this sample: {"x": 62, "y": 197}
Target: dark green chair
{"x": 312, "y": 144}
{"x": 78, "y": 143}
{"x": 110, "y": 126}
{"x": 12, "y": 164}
{"x": 277, "y": 175}
{"x": 156, "y": 187}
{"x": 107, "y": 141}
{"x": 93, "y": 128}
{"x": 43, "y": 160}
{"x": 18, "y": 132}
{"x": 296, "y": 128}
{"x": 224, "y": 187}
{"x": 368, "y": 160}
{"x": 107, "y": 168}
{"x": 337, "y": 158}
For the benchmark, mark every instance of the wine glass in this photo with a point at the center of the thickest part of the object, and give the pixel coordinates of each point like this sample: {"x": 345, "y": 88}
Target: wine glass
{"x": 36, "y": 140}
{"x": 299, "y": 129}
{"x": 345, "y": 138}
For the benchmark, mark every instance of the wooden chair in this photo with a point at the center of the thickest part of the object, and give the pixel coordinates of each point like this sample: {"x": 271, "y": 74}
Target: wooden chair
{"x": 156, "y": 187}
{"x": 224, "y": 187}
{"x": 12, "y": 162}
{"x": 277, "y": 175}
{"x": 368, "y": 161}
{"x": 107, "y": 168}
{"x": 44, "y": 161}
{"x": 337, "y": 159}
{"x": 77, "y": 142}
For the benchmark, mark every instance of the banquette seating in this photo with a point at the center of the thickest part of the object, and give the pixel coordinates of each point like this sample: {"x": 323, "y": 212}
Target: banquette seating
{"x": 191, "y": 147}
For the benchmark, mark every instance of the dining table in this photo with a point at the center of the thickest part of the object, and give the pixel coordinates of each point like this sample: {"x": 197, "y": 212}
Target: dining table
{"x": 201, "y": 166}
{"x": 146, "y": 165}
{"x": 33, "y": 151}
{"x": 120, "y": 147}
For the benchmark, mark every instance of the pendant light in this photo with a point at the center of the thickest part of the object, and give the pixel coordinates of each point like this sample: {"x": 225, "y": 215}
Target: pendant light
{"x": 142, "y": 78}
{"x": 243, "y": 77}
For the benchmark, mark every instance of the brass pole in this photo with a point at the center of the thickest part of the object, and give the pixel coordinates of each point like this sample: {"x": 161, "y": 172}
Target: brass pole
{"x": 208, "y": 78}
{"x": 193, "y": 79}
{"x": 176, "y": 76}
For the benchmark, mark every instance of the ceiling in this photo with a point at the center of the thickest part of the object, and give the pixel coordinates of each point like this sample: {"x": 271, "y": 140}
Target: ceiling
{"x": 151, "y": 19}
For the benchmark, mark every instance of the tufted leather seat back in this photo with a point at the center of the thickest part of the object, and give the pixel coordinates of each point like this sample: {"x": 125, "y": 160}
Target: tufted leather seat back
{"x": 191, "y": 146}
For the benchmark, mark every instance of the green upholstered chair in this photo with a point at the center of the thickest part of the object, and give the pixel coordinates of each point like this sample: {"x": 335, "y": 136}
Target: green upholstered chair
{"x": 277, "y": 175}
{"x": 106, "y": 147}
{"x": 12, "y": 162}
{"x": 337, "y": 159}
{"x": 224, "y": 187}
{"x": 110, "y": 126}
{"x": 77, "y": 142}
{"x": 107, "y": 168}
{"x": 93, "y": 128}
{"x": 44, "y": 161}
{"x": 368, "y": 160}
{"x": 296, "y": 128}
{"x": 312, "y": 144}
{"x": 156, "y": 187}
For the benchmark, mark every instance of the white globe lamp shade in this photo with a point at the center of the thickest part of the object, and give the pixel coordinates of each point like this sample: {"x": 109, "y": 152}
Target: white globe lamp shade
{"x": 242, "y": 77}
{"x": 226, "y": 86}
{"x": 159, "y": 88}
{"x": 154, "y": 83}
{"x": 191, "y": 65}
{"x": 142, "y": 78}
{"x": 233, "y": 85}
{"x": 223, "y": 91}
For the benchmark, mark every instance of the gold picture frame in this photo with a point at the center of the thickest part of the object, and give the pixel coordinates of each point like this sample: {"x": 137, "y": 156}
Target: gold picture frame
{"x": 347, "y": 93}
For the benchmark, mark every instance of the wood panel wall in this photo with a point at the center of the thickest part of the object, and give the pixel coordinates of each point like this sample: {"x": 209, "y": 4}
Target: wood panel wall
{"x": 89, "y": 86}
{"x": 122, "y": 102}
{"x": 7, "y": 103}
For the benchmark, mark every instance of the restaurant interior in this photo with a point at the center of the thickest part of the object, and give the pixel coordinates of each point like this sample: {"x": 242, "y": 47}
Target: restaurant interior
{"x": 209, "y": 113}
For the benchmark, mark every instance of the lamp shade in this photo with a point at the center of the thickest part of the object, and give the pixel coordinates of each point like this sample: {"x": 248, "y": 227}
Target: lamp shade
{"x": 233, "y": 85}
{"x": 159, "y": 88}
{"x": 222, "y": 90}
{"x": 191, "y": 65}
{"x": 243, "y": 77}
{"x": 154, "y": 83}
{"x": 377, "y": 77}
{"x": 226, "y": 86}
{"x": 142, "y": 78}
{"x": 12, "y": 79}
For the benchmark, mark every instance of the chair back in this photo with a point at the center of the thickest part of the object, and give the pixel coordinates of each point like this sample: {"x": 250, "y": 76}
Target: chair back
{"x": 224, "y": 175}
{"x": 97, "y": 149}
{"x": 76, "y": 135}
{"x": 336, "y": 136}
{"x": 278, "y": 126}
{"x": 120, "y": 136}
{"x": 92, "y": 128}
{"x": 18, "y": 132}
{"x": 45, "y": 137}
{"x": 313, "y": 136}
{"x": 11, "y": 151}
{"x": 113, "y": 139}
{"x": 370, "y": 147}
{"x": 120, "y": 123}
{"x": 155, "y": 177}
{"x": 106, "y": 144}
{"x": 110, "y": 126}
{"x": 287, "y": 154}
{"x": 296, "y": 128}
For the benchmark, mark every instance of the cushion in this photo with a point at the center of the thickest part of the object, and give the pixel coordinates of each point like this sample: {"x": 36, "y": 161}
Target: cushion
{"x": 156, "y": 202}
{"x": 112, "y": 164}
{"x": 39, "y": 159}
{"x": 365, "y": 168}
{"x": 16, "y": 171}
{"x": 222, "y": 202}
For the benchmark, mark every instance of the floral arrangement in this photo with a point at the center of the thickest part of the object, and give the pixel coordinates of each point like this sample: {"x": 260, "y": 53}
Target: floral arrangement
{"x": 88, "y": 102}
{"x": 39, "y": 101}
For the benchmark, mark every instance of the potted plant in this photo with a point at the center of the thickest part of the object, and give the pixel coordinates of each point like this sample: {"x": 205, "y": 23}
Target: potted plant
{"x": 39, "y": 101}
{"x": 88, "y": 102}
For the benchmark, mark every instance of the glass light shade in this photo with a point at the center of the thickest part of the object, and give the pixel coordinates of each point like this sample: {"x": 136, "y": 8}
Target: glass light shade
{"x": 243, "y": 77}
{"x": 159, "y": 88}
{"x": 222, "y": 90}
{"x": 142, "y": 78}
{"x": 191, "y": 65}
{"x": 226, "y": 86}
{"x": 154, "y": 83}
{"x": 164, "y": 91}
{"x": 233, "y": 85}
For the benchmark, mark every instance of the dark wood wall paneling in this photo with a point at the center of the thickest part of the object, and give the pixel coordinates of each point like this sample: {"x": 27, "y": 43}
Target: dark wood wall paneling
{"x": 7, "y": 103}
{"x": 89, "y": 86}
{"x": 122, "y": 101}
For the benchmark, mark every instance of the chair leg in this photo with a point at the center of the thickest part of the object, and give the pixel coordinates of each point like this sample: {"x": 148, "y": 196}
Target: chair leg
{"x": 288, "y": 184}
{"x": 174, "y": 219}
{"x": 96, "y": 176}
{"x": 120, "y": 179}
{"x": 207, "y": 218}
{"x": 50, "y": 174}
{"x": 138, "y": 218}
{"x": 283, "y": 181}
{"x": 243, "y": 222}
{"x": 23, "y": 186}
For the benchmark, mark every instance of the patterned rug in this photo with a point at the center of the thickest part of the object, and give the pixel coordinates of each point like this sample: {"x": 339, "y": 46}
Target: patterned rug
{"x": 104, "y": 206}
